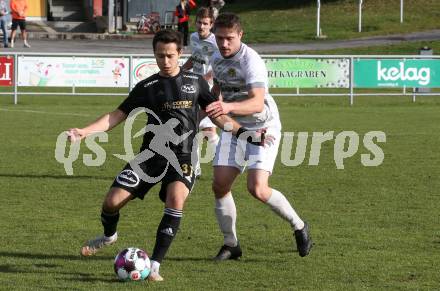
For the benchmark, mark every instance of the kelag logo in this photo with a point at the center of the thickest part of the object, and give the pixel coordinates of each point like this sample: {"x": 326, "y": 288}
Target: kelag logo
{"x": 422, "y": 75}
{"x": 396, "y": 73}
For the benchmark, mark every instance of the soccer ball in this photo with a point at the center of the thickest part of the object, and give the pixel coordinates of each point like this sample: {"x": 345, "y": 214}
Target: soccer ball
{"x": 132, "y": 264}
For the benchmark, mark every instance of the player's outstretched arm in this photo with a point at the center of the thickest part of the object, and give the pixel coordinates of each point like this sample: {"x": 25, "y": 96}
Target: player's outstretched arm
{"x": 226, "y": 123}
{"x": 256, "y": 137}
{"x": 254, "y": 104}
{"x": 104, "y": 123}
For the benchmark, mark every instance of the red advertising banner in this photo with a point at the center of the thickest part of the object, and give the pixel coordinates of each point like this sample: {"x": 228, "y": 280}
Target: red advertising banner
{"x": 6, "y": 71}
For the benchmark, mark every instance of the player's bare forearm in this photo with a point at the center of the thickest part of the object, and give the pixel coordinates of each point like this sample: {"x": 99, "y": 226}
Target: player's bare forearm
{"x": 254, "y": 104}
{"x": 257, "y": 137}
{"x": 226, "y": 123}
{"x": 104, "y": 123}
{"x": 251, "y": 105}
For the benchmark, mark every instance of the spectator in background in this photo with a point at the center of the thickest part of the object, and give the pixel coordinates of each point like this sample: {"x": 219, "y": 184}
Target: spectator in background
{"x": 215, "y": 6}
{"x": 203, "y": 46}
{"x": 3, "y": 12}
{"x": 182, "y": 14}
{"x": 19, "y": 12}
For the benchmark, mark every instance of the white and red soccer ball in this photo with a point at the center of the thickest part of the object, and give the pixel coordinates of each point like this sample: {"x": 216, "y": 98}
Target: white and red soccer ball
{"x": 132, "y": 264}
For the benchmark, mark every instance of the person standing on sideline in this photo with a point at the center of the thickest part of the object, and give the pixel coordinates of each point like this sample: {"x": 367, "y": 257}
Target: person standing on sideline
{"x": 171, "y": 100}
{"x": 3, "y": 13}
{"x": 241, "y": 76}
{"x": 182, "y": 13}
{"x": 19, "y": 12}
{"x": 203, "y": 46}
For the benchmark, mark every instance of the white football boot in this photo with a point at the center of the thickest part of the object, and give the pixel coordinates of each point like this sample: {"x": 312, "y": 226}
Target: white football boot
{"x": 93, "y": 246}
{"x": 155, "y": 277}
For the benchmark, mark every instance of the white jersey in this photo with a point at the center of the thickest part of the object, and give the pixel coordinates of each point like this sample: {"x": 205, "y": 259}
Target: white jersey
{"x": 201, "y": 52}
{"x": 236, "y": 75}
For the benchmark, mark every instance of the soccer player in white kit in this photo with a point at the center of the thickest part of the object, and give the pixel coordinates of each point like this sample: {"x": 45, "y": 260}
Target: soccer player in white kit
{"x": 203, "y": 46}
{"x": 240, "y": 76}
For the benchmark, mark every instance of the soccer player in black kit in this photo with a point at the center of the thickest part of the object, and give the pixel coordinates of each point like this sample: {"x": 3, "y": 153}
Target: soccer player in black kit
{"x": 171, "y": 100}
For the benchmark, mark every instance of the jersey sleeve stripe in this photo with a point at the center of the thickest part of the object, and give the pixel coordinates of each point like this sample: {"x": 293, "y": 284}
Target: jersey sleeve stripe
{"x": 255, "y": 85}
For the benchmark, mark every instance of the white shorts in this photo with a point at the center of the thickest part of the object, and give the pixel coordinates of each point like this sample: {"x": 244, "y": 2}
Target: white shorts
{"x": 206, "y": 123}
{"x": 241, "y": 154}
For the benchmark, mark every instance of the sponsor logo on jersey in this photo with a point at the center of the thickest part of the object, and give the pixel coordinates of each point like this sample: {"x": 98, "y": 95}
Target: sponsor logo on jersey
{"x": 232, "y": 73}
{"x": 128, "y": 178}
{"x": 188, "y": 88}
{"x": 191, "y": 77}
{"x": 182, "y": 104}
{"x": 151, "y": 83}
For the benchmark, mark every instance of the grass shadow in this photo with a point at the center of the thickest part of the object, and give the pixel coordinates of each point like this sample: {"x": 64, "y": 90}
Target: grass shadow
{"x": 91, "y": 279}
{"x": 9, "y": 269}
{"x": 45, "y": 176}
{"x": 22, "y": 269}
{"x": 210, "y": 260}
{"x": 43, "y": 256}
{"x": 189, "y": 259}
{"x": 57, "y": 271}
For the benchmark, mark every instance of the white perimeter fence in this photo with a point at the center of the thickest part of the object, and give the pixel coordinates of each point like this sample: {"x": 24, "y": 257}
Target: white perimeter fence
{"x": 294, "y": 75}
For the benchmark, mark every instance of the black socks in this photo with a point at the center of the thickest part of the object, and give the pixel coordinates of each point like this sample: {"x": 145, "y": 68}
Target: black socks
{"x": 110, "y": 222}
{"x": 166, "y": 232}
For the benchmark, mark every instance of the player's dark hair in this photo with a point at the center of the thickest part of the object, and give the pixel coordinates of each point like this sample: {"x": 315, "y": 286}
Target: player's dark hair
{"x": 168, "y": 36}
{"x": 205, "y": 12}
{"x": 228, "y": 20}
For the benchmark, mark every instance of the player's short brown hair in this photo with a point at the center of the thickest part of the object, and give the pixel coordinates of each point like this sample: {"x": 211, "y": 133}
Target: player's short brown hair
{"x": 168, "y": 36}
{"x": 228, "y": 20}
{"x": 205, "y": 12}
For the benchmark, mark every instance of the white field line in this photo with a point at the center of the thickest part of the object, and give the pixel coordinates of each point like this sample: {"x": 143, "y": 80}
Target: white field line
{"x": 55, "y": 113}
{"x": 44, "y": 112}
{"x": 141, "y": 119}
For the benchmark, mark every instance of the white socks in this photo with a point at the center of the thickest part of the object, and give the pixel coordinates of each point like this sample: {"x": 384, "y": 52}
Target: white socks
{"x": 281, "y": 206}
{"x": 226, "y": 217}
{"x": 155, "y": 267}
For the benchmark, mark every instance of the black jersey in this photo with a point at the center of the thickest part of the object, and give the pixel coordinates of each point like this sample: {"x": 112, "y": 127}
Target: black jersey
{"x": 176, "y": 97}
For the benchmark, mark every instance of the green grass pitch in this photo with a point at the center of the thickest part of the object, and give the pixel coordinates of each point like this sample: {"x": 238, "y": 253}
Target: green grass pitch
{"x": 374, "y": 228}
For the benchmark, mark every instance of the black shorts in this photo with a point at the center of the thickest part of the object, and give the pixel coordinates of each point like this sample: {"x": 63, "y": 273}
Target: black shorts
{"x": 132, "y": 181}
{"x": 18, "y": 22}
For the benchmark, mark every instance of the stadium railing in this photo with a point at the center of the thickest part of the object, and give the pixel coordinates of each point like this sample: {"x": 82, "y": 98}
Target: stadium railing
{"x": 289, "y": 75}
